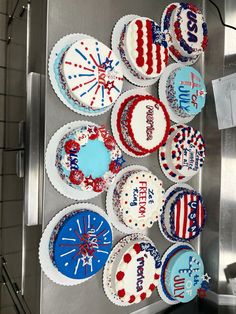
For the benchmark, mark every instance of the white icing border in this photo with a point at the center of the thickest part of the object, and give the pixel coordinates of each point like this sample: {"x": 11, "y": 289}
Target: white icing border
{"x": 114, "y": 114}
{"x": 115, "y": 39}
{"x": 62, "y": 43}
{"x": 52, "y": 172}
{"x": 162, "y": 94}
{"x": 168, "y": 191}
{"x": 120, "y": 226}
{"x": 45, "y": 261}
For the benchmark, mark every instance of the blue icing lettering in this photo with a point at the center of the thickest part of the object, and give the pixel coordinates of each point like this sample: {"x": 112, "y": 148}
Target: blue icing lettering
{"x": 192, "y": 26}
{"x": 134, "y": 201}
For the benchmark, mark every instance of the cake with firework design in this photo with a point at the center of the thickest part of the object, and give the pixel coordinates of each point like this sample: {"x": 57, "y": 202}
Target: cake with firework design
{"x": 80, "y": 244}
{"x": 143, "y": 48}
{"x": 183, "y": 215}
{"x": 183, "y": 154}
{"x": 187, "y": 31}
{"x": 134, "y": 271}
{"x": 88, "y": 158}
{"x": 90, "y": 74}
{"x": 137, "y": 199}
{"x": 185, "y": 91}
{"x": 182, "y": 275}
{"x": 143, "y": 124}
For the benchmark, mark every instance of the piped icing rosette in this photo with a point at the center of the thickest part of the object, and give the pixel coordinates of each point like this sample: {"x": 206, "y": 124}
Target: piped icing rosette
{"x": 80, "y": 243}
{"x": 183, "y": 154}
{"x": 183, "y": 215}
{"x": 134, "y": 270}
{"x": 88, "y": 158}
{"x": 185, "y": 91}
{"x": 143, "y": 48}
{"x": 90, "y": 74}
{"x": 187, "y": 31}
{"x": 143, "y": 124}
{"x": 138, "y": 198}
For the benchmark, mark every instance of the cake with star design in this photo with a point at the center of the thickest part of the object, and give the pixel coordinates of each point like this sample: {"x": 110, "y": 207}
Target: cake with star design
{"x": 80, "y": 244}
{"x": 89, "y": 75}
{"x": 183, "y": 215}
{"x": 186, "y": 31}
{"x": 143, "y": 124}
{"x": 138, "y": 198}
{"x": 183, "y": 155}
{"x": 143, "y": 48}
{"x": 88, "y": 158}
{"x": 185, "y": 91}
{"x": 133, "y": 271}
{"x": 182, "y": 275}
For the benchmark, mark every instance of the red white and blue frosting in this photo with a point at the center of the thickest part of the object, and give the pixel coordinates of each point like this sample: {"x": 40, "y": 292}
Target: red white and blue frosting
{"x": 80, "y": 244}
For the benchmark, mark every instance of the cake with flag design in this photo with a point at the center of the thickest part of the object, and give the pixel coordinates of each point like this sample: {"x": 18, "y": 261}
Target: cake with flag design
{"x": 88, "y": 158}
{"x": 143, "y": 124}
{"x": 90, "y": 74}
{"x": 185, "y": 91}
{"x": 138, "y": 198}
{"x": 80, "y": 243}
{"x": 143, "y": 48}
{"x": 186, "y": 31}
{"x": 182, "y": 275}
{"x": 183, "y": 215}
{"x": 183, "y": 155}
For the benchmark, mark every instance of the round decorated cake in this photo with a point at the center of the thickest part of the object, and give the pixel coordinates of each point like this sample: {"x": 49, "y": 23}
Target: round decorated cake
{"x": 182, "y": 275}
{"x": 90, "y": 74}
{"x": 143, "y": 124}
{"x": 138, "y": 198}
{"x": 185, "y": 91}
{"x": 183, "y": 215}
{"x": 88, "y": 158}
{"x": 187, "y": 30}
{"x": 183, "y": 154}
{"x": 80, "y": 244}
{"x": 143, "y": 48}
{"x": 133, "y": 271}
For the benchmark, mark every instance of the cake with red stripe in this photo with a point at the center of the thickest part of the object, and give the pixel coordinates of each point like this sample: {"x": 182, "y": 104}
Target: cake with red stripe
{"x": 143, "y": 48}
{"x": 143, "y": 124}
{"x": 183, "y": 215}
{"x": 135, "y": 272}
{"x": 137, "y": 199}
{"x": 183, "y": 155}
{"x": 90, "y": 74}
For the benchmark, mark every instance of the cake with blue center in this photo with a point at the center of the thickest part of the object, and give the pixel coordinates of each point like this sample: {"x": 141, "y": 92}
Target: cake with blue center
{"x": 143, "y": 48}
{"x": 186, "y": 31}
{"x": 183, "y": 215}
{"x": 182, "y": 275}
{"x": 185, "y": 91}
{"x": 88, "y": 158}
{"x": 89, "y": 75}
{"x": 80, "y": 244}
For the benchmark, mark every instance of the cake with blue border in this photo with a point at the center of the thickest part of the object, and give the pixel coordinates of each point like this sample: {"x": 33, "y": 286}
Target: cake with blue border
{"x": 80, "y": 244}
{"x": 186, "y": 91}
{"x": 183, "y": 215}
{"x": 182, "y": 275}
{"x": 89, "y": 75}
{"x": 88, "y": 158}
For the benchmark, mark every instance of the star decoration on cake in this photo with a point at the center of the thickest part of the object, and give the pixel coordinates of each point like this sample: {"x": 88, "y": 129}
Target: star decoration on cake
{"x": 89, "y": 181}
{"x": 108, "y": 64}
{"x": 119, "y": 161}
{"x": 158, "y": 36}
{"x": 87, "y": 259}
{"x": 109, "y": 85}
{"x": 206, "y": 277}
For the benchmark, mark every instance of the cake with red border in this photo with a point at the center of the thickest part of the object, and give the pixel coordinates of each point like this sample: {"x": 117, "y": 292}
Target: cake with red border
{"x": 183, "y": 215}
{"x": 89, "y": 75}
{"x": 182, "y": 275}
{"x": 88, "y": 158}
{"x": 143, "y": 48}
{"x": 143, "y": 124}
{"x": 187, "y": 31}
{"x": 135, "y": 271}
{"x": 138, "y": 198}
{"x": 183, "y": 155}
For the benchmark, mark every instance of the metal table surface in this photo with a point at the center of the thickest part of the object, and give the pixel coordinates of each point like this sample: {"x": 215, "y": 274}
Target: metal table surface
{"x": 95, "y": 18}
